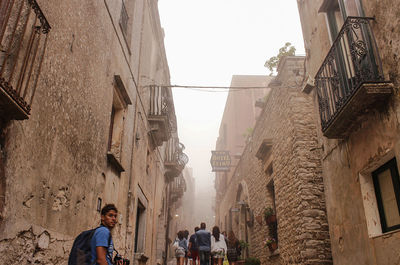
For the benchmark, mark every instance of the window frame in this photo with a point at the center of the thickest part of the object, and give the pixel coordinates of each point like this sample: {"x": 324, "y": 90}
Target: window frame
{"x": 392, "y": 166}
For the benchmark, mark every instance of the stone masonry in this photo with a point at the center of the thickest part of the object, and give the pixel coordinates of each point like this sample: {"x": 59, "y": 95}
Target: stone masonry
{"x": 292, "y": 166}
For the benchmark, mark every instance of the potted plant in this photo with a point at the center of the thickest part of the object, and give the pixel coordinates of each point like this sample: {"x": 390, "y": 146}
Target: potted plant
{"x": 252, "y": 261}
{"x": 243, "y": 245}
{"x": 269, "y": 215}
{"x": 271, "y": 244}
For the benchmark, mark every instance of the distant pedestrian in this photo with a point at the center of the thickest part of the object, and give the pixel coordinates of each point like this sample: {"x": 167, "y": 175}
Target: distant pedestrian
{"x": 193, "y": 248}
{"x": 234, "y": 249}
{"x": 204, "y": 244}
{"x": 186, "y": 235}
{"x": 181, "y": 249}
{"x": 218, "y": 246}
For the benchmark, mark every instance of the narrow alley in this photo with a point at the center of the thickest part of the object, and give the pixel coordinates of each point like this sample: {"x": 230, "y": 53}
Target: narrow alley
{"x": 155, "y": 132}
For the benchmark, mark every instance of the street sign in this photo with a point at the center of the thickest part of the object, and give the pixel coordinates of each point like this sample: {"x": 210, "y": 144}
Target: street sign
{"x": 220, "y": 161}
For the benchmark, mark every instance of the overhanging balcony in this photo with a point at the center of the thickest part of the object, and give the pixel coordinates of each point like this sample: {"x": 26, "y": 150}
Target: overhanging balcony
{"x": 175, "y": 159}
{"x": 350, "y": 81}
{"x": 23, "y": 38}
{"x": 178, "y": 188}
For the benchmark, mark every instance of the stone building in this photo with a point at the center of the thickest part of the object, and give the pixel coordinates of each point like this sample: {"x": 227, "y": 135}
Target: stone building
{"x": 352, "y": 51}
{"x": 84, "y": 123}
{"x": 280, "y": 168}
{"x": 238, "y": 121}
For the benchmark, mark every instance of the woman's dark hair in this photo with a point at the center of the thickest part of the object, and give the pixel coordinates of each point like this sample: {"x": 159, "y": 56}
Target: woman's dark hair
{"x": 107, "y": 208}
{"x": 181, "y": 235}
{"x": 215, "y": 233}
{"x": 186, "y": 234}
{"x": 231, "y": 239}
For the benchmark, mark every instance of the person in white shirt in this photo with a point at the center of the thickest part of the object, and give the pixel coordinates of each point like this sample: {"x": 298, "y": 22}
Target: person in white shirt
{"x": 218, "y": 246}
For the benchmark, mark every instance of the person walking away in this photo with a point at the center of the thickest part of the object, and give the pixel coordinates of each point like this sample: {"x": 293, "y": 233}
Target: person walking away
{"x": 102, "y": 245}
{"x": 186, "y": 235}
{"x": 204, "y": 244}
{"x": 233, "y": 248}
{"x": 193, "y": 248}
{"x": 218, "y": 246}
{"x": 182, "y": 248}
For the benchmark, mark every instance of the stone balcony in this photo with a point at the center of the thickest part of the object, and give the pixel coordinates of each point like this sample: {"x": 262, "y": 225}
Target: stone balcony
{"x": 350, "y": 81}
{"x": 23, "y": 38}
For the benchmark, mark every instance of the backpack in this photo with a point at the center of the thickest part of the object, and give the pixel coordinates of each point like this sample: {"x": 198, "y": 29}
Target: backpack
{"x": 81, "y": 251}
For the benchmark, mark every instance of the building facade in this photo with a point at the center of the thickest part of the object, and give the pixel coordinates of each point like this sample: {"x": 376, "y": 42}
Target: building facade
{"x": 84, "y": 122}
{"x": 352, "y": 49}
{"x": 242, "y": 108}
{"x": 280, "y": 170}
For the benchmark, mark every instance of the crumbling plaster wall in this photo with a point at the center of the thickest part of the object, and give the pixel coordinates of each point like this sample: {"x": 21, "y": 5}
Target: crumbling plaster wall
{"x": 375, "y": 140}
{"x": 55, "y": 162}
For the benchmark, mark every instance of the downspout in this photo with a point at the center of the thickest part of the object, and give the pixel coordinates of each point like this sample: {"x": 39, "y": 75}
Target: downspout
{"x": 3, "y": 126}
{"x": 167, "y": 229}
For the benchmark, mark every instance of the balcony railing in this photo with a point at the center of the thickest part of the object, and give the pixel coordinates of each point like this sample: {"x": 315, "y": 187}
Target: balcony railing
{"x": 23, "y": 39}
{"x": 161, "y": 114}
{"x": 350, "y": 79}
{"x": 175, "y": 159}
{"x": 178, "y": 188}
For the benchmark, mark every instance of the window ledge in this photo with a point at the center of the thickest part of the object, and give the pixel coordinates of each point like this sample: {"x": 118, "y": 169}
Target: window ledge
{"x": 111, "y": 158}
{"x": 387, "y": 234}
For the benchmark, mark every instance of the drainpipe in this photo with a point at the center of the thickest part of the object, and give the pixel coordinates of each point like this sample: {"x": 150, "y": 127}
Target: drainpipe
{"x": 3, "y": 126}
{"x": 167, "y": 229}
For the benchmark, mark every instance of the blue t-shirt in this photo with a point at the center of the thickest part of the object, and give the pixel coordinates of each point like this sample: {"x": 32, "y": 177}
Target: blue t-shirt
{"x": 203, "y": 240}
{"x": 100, "y": 239}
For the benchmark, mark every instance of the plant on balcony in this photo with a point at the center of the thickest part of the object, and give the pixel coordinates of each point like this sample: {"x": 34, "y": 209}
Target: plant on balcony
{"x": 271, "y": 244}
{"x": 269, "y": 215}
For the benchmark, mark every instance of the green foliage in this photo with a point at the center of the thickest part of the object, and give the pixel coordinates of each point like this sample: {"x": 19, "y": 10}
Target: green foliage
{"x": 287, "y": 50}
{"x": 252, "y": 261}
{"x": 268, "y": 211}
{"x": 248, "y": 132}
{"x": 243, "y": 244}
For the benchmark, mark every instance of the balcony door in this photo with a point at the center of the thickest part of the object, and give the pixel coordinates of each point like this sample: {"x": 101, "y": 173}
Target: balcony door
{"x": 337, "y": 12}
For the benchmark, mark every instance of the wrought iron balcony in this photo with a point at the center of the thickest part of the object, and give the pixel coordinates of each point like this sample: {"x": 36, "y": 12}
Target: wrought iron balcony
{"x": 178, "y": 188}
{"x": 350, "y": 80}
{"x": 23, "y": 38}
{"x": 175, "y": 159}
{"x": 161, "y": 115}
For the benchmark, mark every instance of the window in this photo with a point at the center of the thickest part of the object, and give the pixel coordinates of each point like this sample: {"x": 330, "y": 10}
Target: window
{"x": 387, "y": 189}
{"x": 120, "y": 103}
{"x": 140, "y": 228}
{"x": 337, "y": 11}
{"x": 125, "y": 20}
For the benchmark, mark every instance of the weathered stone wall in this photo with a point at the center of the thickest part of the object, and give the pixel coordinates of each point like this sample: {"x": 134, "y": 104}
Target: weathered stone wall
{"x": 55, "y": 164}
{"x": 355, "y": 229}
{"x": 287, "y": 119}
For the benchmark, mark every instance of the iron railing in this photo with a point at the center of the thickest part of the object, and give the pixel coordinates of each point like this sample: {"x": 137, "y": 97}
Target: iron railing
{"x": 174, "y": 153}
{"x": 23, "y": 39}
{"x": 178, "y": 187}
{"x": 161, "y": 104}
{"x": 352, "y": 61}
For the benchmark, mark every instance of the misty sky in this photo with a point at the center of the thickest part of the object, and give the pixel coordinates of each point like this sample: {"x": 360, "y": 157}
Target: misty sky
{"x": 208, "y": 41}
